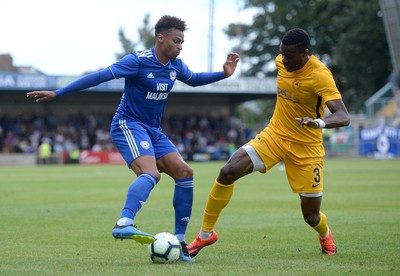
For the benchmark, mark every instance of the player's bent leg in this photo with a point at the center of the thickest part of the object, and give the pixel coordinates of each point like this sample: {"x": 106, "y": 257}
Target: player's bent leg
{"x": 195, "y": 246}
{"x": 131, "y": 232}
{"x": 310, "y": 205}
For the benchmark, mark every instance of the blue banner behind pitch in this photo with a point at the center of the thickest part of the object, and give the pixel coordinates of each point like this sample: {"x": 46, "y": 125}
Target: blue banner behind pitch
{"x": 380, "y": 142}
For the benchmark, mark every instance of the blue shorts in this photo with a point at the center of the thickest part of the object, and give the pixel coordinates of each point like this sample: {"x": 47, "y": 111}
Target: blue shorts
{"x": 134, "y": 139}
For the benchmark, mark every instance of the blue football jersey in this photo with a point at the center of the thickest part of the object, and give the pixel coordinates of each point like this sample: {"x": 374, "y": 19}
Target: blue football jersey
{"x": 147, "y": 85}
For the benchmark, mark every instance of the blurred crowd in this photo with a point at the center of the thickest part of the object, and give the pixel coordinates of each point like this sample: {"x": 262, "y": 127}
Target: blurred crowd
{"x": 26, "y": 133}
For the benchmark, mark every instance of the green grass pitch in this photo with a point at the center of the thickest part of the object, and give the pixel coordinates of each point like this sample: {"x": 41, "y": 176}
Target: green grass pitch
{"x": 57, "y": 220}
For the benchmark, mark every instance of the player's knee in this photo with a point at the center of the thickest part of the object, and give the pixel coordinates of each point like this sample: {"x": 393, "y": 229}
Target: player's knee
{"x": 227, "y": 175}
{"x": 183, "y": 171}
{"x": 311, "y": 219}
{"x": 156, "y": 174}
{"x": 188, "y": 171}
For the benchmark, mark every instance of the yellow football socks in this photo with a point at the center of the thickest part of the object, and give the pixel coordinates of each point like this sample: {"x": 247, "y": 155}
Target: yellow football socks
{"x": 219, "y": 197}
{"x": 322, "y": 227}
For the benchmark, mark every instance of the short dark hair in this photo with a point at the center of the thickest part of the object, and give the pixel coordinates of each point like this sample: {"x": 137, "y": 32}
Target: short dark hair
{"x": 167, "y": 22}
{"x": 297, "y": 37}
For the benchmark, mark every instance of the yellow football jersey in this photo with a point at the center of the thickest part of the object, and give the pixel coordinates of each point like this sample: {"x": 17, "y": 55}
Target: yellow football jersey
{"x": 302, "y": 93}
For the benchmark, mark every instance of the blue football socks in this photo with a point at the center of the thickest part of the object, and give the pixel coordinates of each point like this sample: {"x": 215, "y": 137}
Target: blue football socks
{"x": 137, "y": 194}
{"x": 183, "y": 201}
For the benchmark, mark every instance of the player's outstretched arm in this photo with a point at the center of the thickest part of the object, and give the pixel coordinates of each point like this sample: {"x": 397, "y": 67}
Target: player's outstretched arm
{"x": 42, "y": 96}
{"x": 230, "y": 64}
{"x": 82, "y": 83}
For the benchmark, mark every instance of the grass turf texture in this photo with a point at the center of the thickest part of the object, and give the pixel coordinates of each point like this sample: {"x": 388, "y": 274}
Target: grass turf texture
{"x": 57, "y": 220}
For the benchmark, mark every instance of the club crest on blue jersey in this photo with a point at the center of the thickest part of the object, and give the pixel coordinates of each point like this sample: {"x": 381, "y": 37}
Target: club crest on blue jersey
{"x": 172, "y": 75}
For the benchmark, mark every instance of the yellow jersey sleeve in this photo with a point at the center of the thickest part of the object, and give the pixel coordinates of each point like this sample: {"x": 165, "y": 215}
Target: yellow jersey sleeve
{"x": 302, "y": 93}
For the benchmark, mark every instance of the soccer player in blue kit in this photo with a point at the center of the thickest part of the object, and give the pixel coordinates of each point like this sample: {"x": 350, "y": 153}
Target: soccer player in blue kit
{"x": 136, "y": 127}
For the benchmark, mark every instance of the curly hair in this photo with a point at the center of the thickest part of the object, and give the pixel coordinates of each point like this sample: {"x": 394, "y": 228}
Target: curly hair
{"x": 297, "y": 37}
{"x": 167, "y": 22}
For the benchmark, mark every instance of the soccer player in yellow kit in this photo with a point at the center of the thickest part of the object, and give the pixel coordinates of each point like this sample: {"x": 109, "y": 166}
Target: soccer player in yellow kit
{"x": 294, "y": 135}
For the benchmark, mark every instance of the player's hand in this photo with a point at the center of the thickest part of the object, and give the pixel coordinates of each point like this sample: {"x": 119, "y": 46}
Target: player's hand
{"x": 307, "y": 121}
{"x": 42, "y": 96}
{"x": 230, "y": 64}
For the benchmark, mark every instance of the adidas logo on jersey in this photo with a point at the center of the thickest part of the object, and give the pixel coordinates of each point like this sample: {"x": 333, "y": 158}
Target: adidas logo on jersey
{"x": 150, "y": 76}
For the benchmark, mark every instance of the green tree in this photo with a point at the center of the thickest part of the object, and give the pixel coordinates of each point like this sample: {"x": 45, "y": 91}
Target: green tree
{"x": 348, "y": 36}
{"x": 146, "y": 38}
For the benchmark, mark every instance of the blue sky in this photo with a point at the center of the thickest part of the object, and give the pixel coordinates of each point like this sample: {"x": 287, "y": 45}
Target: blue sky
{"x": 76, "y": 36}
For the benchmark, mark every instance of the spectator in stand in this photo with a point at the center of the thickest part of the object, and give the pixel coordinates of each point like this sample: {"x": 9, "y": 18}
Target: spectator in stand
{"x": 10, "y": 141}
{"x": 44, "y": 151}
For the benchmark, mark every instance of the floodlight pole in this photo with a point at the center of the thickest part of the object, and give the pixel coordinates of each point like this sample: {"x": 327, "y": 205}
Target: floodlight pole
{"x": 391, "y": 20}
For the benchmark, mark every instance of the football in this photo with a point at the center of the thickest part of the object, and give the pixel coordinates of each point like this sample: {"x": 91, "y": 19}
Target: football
{"x": 165, "y": 249}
